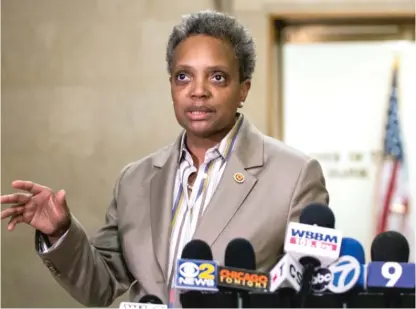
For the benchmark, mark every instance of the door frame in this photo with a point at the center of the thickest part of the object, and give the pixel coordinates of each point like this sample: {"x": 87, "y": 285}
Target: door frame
{"x": 277, "y": 24}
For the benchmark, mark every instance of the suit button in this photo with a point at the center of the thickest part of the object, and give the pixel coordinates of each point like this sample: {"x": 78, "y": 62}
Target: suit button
{"x": 51, "y": 268}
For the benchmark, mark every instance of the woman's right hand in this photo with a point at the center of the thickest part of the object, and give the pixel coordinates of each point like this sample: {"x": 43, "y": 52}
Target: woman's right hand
{"x": 39, "y": 207}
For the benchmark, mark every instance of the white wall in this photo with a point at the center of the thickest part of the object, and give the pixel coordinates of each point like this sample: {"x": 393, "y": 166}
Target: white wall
{"x": 335, "y": 97}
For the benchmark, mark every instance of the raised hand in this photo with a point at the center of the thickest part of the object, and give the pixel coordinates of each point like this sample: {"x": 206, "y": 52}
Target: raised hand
{"x": 39, "y": 207}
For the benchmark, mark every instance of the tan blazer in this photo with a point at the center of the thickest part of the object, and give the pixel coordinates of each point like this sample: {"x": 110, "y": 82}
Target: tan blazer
{"x": 132, "y": 247}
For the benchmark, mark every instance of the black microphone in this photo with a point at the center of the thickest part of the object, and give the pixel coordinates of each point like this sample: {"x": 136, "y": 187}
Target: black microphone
{"x": 390, "y": 246}
{"x": 151, "y": 299}
{"x": 239, "y": 271}
{"x": 320, "y": 215}
{"x": 240, "y": 254}
{"x": 146, "y": 302}
{"x": 287, "y": 276}
{"x": 195, "y": 250}
{"x": 389, "y": 272}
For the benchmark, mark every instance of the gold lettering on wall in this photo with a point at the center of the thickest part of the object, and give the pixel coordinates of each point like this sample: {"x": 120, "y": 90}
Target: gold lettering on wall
{"x": 327, "y": 157}
{"x": 348, "y": 173}
{"x": 356, "y": 156}
{"x": 353, "y": 164}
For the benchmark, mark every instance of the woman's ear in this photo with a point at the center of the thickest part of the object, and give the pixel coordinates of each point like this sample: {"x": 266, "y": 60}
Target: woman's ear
{"x": 245, "y": 87}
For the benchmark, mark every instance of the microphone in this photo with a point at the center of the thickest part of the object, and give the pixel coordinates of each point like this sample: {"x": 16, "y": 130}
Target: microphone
{"x": 318, "y": 214}
{"x": 150, "y": 299}
{"x": 195, "y": 272}
{"x": 195, "y": 269}
{"x": 313, "y": 242}
{"x": 348, "y": 272}
{"x": 287, "y": 273}
{"x": 389, "y": 271}
{"x": 286, "y": 278}
{"x": 146, "y": 302}
{"x": 345, "y": 273}
{"x": 390, "y": 246}
{"x": 239, "y": 274}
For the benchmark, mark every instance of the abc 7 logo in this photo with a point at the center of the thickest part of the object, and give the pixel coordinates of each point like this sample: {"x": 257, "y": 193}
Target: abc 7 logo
{"x": 189, "y": 270}
{"x": 339, "y": 277}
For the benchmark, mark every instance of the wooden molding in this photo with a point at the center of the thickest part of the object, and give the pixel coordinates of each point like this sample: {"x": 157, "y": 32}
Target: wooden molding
{"x": 331, "y": 15}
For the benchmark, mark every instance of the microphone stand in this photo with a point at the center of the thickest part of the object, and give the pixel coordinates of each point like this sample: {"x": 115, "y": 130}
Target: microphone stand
{"x": 309, "y": 264}
{"x": 392, "y": 299}
{"x": 242, "y": 299}
{"x": 305, "y": 288}
{"x": 239, "y": 300}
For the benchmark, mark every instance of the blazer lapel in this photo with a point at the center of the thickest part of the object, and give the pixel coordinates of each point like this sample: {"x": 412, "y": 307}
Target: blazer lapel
{"x": 161, "y": 200}
{"x": 225, "y": 202}
{"x": 234, "y": 186}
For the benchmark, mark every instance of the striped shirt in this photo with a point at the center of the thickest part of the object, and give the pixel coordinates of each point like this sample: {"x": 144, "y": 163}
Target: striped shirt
{"x": 187, "y": 209}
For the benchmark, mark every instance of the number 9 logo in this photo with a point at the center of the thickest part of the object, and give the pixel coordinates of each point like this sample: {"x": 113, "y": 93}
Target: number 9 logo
{"x": 206, "y": 271}
{"x": 392, "y": 271}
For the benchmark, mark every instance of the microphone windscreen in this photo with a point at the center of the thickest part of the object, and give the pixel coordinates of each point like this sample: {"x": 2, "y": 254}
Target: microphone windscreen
{"x": 240, "y": 254}
{"x": 352, "y": 247}
{"x": 318, "y": 214}
{"x": 197, "y": 250}
{"x": 390, "y": 246}
{"x": 151, "y": 299}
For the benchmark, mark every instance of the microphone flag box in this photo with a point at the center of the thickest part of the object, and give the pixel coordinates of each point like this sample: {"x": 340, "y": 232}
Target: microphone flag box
{"x": 346, "y": 273}
{"x": 391, "y": 275}
{"x": 312, "y": 240}
{"x": 196, "y": 275}
{"x": 340, "y": 277}
{"x": 243, "y": 279}
{"x": 287, "y": 273}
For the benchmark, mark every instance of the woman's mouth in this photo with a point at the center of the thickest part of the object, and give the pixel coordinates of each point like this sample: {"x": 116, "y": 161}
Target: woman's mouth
{"x": 199, "y": 115}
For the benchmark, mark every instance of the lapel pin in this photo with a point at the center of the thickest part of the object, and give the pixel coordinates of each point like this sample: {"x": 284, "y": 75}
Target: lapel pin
{"x": 238, "y": 177}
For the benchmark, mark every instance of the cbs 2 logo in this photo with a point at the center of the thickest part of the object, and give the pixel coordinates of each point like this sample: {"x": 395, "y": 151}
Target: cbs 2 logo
{"x": 206, "y": 271}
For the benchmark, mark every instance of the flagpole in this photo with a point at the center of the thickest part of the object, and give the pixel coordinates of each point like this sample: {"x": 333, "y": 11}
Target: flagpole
{"x": 396, "y": 65}
{"x": 406, "y": 228}
{"x": 379, "y": 163}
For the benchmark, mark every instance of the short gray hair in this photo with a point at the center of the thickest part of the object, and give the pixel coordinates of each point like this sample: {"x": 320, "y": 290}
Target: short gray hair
{"x": 218, "y": 25}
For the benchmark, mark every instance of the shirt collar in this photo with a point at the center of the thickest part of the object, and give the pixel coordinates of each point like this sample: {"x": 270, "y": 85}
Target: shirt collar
{"x": 226, "y": 145}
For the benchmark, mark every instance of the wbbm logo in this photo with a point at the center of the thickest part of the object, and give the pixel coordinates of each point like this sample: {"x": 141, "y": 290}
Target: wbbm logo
{"x": 314, "y": 240}
{"x": 196, "y": 274}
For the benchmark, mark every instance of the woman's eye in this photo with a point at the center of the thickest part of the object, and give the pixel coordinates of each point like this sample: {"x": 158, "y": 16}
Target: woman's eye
{"x": 219, "y": 78}
{"x": 182, "y": 77}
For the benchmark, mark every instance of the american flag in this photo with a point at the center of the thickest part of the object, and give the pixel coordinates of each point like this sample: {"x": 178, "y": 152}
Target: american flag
{"x": 393, "y": 192}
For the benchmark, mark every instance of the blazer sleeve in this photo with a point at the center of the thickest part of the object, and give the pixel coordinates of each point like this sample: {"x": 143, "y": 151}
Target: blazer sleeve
{"x": 91, "y": 271}
{"x": 310, "y": 188}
